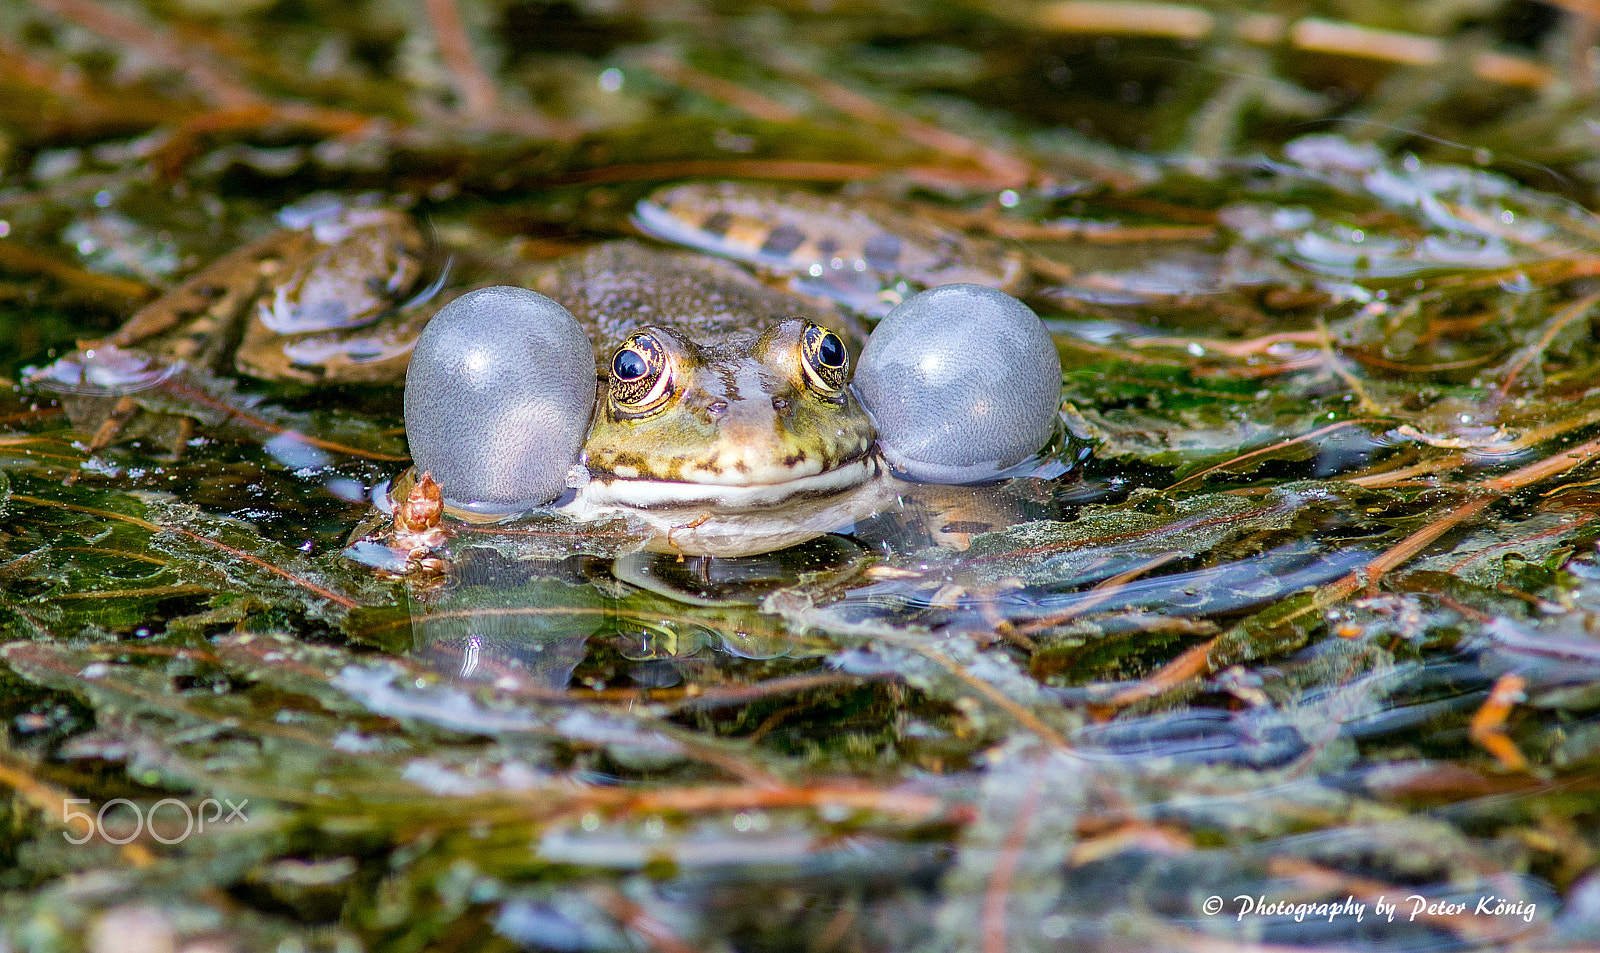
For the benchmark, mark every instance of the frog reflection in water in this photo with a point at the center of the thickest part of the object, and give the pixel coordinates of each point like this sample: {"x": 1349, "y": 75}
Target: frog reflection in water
{"x": 726, "y": 421}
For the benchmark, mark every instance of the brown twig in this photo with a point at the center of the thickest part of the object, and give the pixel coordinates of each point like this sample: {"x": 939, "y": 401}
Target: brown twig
{"x": 1319, "y": 432}
{"x": 1488, "y": 727}
{"x": 1006, "y": 169}
{"x": 1564, "y": 317}
{"x": 122, "y": 292}
{"x": 1308, "y": 34}
{"x": 218, "y": 86}
{"x": 715, "y": 87}
{"x": 1190, "y": 663}
{"x": 992, "y": 920}
{"x": 701, "y": 799}
{"x": 169, "y": 160}
{"x": 51, "y": 802}
{"x": 479, "y": 98}
{"x": 307, "y": 584}
{"x": 995, "y": 696}
{"x": 800, "y": 170}
{"x": 1101, "y": 592}
{"x": 639, "y": 920}
{"x": 1489, "y": 492}
{"x": 245, "y": 417}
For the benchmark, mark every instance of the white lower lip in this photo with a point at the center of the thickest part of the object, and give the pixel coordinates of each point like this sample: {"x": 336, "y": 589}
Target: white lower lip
{"x": 604, "y": 494}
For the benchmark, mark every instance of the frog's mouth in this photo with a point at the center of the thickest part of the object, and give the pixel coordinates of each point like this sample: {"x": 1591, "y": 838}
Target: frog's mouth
{"x": 710, "y": 519}
{"x": 608, "y": 491}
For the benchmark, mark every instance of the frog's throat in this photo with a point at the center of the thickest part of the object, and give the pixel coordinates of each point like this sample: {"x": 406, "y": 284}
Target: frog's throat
{"x": 605, "y": 492}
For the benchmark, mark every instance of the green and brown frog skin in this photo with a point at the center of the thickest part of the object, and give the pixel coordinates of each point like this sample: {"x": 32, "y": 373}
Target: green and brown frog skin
{"x": 725, "y": 420}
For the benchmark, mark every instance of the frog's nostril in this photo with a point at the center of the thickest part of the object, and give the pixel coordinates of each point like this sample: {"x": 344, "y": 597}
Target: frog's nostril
{"x": 780, "y": 404}
{"x": 718, "y": 408}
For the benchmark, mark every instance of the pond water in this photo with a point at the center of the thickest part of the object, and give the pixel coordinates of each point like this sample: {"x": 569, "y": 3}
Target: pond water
{"x": 1285, "y": 640}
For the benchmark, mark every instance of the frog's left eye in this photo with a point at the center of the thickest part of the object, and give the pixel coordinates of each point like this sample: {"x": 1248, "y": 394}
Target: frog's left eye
{"x": 641, "y": 378}
{"x": 824, "y": 359}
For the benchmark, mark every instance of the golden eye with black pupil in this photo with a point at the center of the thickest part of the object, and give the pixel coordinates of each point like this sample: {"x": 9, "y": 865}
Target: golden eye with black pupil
{"x": 823, "y": 357}
{"x": 639, "y": 374}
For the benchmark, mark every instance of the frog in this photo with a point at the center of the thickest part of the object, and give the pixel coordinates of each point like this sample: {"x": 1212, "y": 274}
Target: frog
{"x": 723, "y": 416}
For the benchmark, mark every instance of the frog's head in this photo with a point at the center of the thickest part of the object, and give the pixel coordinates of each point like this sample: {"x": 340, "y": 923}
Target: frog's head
{"x": 755, "y": 421}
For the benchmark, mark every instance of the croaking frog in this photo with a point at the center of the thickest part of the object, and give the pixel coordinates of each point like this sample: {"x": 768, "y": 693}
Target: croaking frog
{"x": 728, "y": 419}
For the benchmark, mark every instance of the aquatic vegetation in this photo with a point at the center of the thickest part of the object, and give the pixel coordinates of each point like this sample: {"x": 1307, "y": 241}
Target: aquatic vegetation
{"x": 1287, "y": 639}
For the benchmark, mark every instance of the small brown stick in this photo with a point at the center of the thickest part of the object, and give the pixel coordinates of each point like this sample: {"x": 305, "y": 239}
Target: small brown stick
{"x": 1007, "y": 169}
{"x": 17, "y": 62}
{"x": 306, "y": 584}
{"x": 51, "y": 802}
{"x": 1096, "y": 232}
{"x": 1384, "y": 364}
{"x": 1459, "y": 459}
{"x": 1183, "y": 526}
{"x": 1350, "y": 380}
{"x": 1102, "y": 591}
{"x": 1564, "y": 527}
{"x": 773, "y": 720}
{"x": 995, "y": 696}
{"x": 715, "y": 87}
{"x": 801, "y": 170}
{"x": 1402, "y": 552}
{"x": 1321, "y": 431}
{"x": 1131, "y": 835}
{"x": 726, "y": 798}
{"x": 216, "y": 85}
{"x": 244, "y": 417}
{"x": 1488, "y": 728}
{"x": 122, "y": 292}
{"x": 107, "y": 432}
{"x": 993, "y": 917}
{"x": 638, "y": 920}
{"x": 328, "y": 594}
{"x": 169, "y": 159}
{"x": 478, "y": 96}
{"x": 699, "y": 697}
{"x": 545, "y": 611}
{"x": 1405, "y": 475}
{"x": 151, "y": 592}
{"x": 1085, "y": 231}
{"x": 1556, "y": 463}
{"x": 1309, "y": 34}
{"x": 1190, "y": 663}
{"x": 1564, "y": 317}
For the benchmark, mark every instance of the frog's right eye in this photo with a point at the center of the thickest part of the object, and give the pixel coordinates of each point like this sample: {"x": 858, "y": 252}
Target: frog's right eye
{"x": 641, "y": 374}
